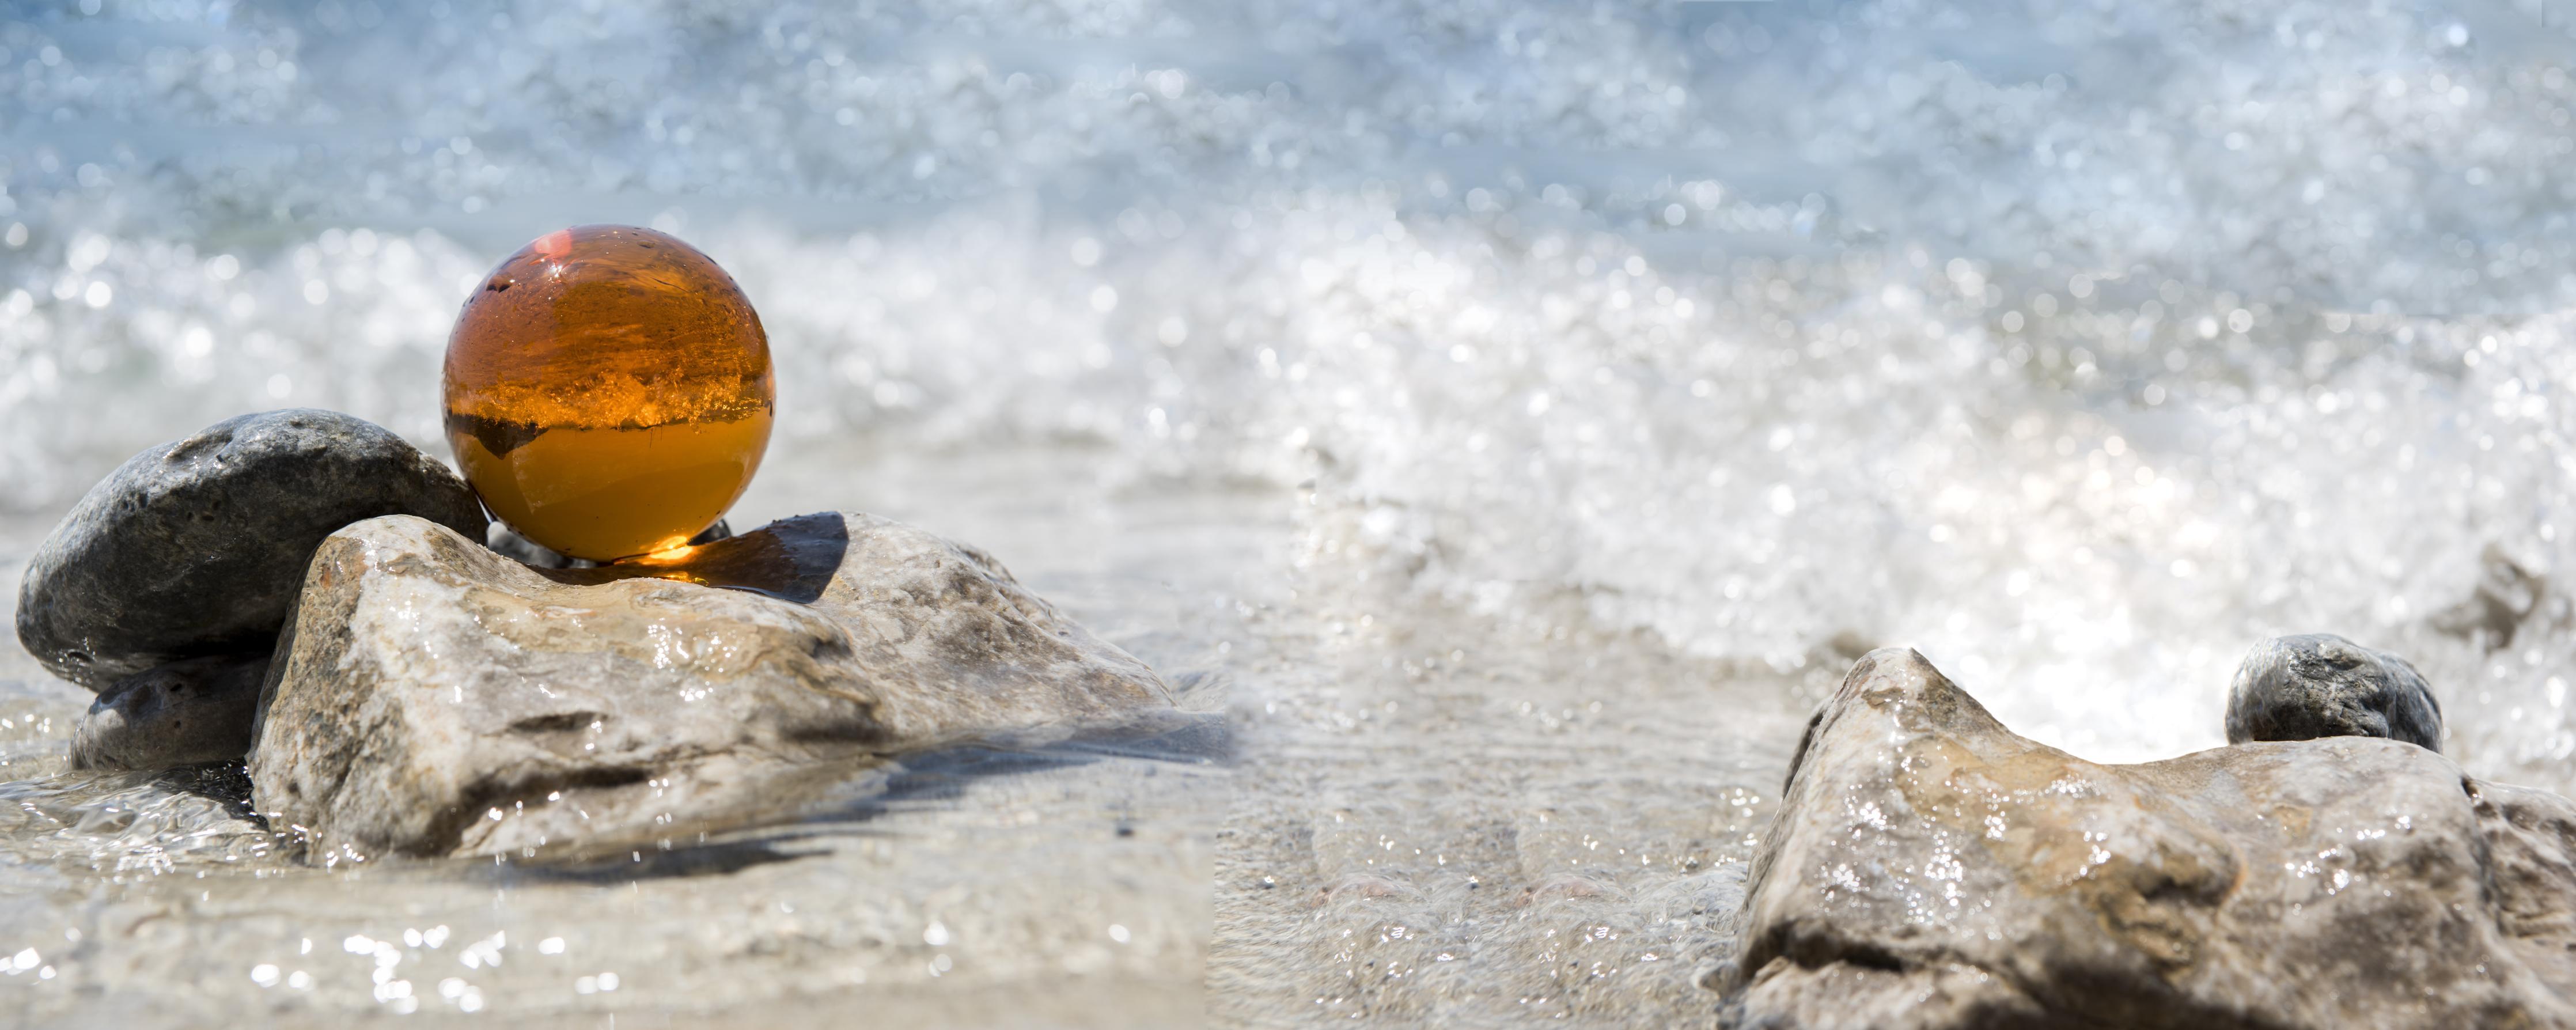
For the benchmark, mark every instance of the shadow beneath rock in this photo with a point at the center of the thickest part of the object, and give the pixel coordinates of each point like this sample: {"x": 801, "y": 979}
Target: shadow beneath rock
{"x": 790, "y": 559}
{"x": 821, "y": 806}
{"x": 646, "y": 863}
{"x": 942, "y": 775}
{"x": 1195, "y": 738}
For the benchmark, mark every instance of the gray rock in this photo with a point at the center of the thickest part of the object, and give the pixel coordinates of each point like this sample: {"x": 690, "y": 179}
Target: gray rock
{"x": 183, "y": 713}
{"x": 197, "y": 547}
{"x": 1928, "y": 868}
{"x": 432, "y": 697}
{"x": 506, "y": 540}
{"x": 2321, "y": 685}
{"x": 2506, "y": 596}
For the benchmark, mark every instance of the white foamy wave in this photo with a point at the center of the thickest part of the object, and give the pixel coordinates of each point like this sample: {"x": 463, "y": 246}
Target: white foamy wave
{"x": 1896, "y": 469}
{"x": 2078, "y": 350}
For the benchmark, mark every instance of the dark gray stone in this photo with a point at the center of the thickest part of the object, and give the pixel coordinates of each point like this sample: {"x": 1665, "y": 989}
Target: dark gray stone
{"x": 198, "y": 710}
{"x": 2322, "y": 685}
{"x": 1929, "y": 868}
{"x": 432, "y": 697}
{"x": 535, "y": 555}
{"x": 197, "y": 547}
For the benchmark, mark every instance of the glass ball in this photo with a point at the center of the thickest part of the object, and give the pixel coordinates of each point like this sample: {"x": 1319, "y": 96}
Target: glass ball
{"x": 608, "y": 391}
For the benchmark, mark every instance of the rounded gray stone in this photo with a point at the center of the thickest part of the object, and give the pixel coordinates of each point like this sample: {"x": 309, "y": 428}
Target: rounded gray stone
{"x": 198, "y": 547}
{"x": 198, "y": 710}
{"x": 2321, "y": 685}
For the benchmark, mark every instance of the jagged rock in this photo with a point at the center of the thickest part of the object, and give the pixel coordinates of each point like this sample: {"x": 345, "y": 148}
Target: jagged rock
{"x": 1928, "y": 868}
{"x": 529, "y": 552}
{"x": 433, "y": 697}
{"x": 197, "y": 710}
{"x": 197, "y": 547}
{"x": 2321, "y": 685}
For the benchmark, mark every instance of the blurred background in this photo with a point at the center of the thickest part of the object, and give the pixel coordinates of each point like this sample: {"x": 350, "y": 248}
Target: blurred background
{"x": 2074, "y": 343}
{"x": 2077, "y": 344}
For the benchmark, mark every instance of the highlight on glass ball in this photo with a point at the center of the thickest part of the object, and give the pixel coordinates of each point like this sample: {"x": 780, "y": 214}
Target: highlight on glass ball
{"x": 609, "y": 392}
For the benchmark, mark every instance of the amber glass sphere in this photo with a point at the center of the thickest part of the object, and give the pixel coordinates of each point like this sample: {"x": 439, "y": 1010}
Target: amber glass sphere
{"x": 608, "y": 391}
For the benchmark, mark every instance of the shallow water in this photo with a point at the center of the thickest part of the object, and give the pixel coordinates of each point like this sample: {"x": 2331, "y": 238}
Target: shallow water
{"x": 1060, "y": 883}
{"x": 1513, "y": 419}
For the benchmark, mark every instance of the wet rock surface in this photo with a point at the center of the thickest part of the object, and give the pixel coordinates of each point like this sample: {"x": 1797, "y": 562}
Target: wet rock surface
{"x": 198, "y": 547}
{"x": 183, "y": 713}
{"x": 2322, "y": 685}
{"x": 1929, "y": 868}
{"x": 433, "y": 697}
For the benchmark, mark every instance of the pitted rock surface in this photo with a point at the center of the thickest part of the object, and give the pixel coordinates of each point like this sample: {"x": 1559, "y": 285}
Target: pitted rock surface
{"x": 197, "y": 547}
{"x": 1929, "y": 868}
{"x": 2322, "y": 685}
{"x": 433, "y": 697}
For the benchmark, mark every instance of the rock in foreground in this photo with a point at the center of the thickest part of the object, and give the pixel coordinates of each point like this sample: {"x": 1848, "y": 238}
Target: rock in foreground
{"x": 433, "y": 697}
{"x": 197, "y": 547}
{"x": 1928, "y": 868}
{"x": 2321, "y": 685}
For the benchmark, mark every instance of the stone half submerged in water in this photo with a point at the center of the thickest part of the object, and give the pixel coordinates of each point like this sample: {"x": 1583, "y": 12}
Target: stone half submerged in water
{"x": 432, "y": 697}
{"x": 182, "y": 713}
{"x": 1929, "y": 868}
